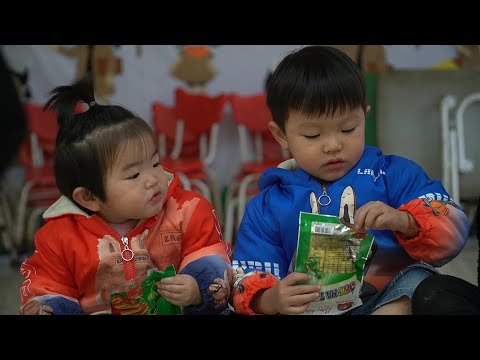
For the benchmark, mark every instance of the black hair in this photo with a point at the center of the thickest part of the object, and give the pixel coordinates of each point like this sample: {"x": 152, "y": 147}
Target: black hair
{"x": 88, "y": 143}
{"x": 315, "y": 80}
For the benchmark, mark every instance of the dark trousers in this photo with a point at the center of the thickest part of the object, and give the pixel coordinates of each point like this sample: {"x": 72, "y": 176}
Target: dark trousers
{"x": 446, "y": 295}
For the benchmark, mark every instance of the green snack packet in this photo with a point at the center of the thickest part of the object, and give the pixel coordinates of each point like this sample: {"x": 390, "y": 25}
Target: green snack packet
{"x": 157, "y": 305}
{"x": 335, "y": 256}
{"x": 144, "y": 299}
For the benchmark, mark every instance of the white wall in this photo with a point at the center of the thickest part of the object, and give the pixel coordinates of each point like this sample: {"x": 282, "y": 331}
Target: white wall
{"x": 242, "y": 69}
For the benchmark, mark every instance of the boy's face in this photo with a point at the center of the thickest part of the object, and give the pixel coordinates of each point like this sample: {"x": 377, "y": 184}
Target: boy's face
{"x": 136, "y": 185}
{"x": 325, "y": 147}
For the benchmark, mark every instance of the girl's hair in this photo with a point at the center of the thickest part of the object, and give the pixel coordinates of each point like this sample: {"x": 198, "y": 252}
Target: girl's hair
{"x": 315, "y": 80}
{"x": 88, "y": 143}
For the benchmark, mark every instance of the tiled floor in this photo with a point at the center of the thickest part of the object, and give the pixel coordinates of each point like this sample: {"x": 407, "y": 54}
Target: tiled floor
{"x": 464, "y": 266}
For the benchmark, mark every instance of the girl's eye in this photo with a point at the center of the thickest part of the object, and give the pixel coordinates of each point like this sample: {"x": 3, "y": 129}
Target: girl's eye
{"x": 311, "y": 136}
{"x": 349, "y": 130}
{"x": 156, "y": 164}
{"x": 133, "y": 176}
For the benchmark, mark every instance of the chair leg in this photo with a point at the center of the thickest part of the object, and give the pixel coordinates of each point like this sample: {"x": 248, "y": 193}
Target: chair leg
{"x": 205, "y": 191}
{"x": 32, "y": 224}
{"x": 230, "y": 221}
{"x": 216, "y": 194}
{"x": 184, "y": 181}
{"x": 19, "y": 224}
{"x": 242, "y": 195}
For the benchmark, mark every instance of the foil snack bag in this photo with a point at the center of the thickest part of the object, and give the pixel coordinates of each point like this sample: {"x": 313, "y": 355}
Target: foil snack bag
{"x": 334, "y": 256}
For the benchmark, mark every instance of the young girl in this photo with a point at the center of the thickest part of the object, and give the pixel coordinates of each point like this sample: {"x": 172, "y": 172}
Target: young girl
{"x": 121, "y": 217}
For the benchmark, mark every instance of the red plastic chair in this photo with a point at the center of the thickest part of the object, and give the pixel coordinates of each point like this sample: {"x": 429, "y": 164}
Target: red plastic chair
{"x": 188, "y": 135}
{"x": 39, "y": 190}
{"x": 165, "y": 126}
{"x": 258, "y": 149}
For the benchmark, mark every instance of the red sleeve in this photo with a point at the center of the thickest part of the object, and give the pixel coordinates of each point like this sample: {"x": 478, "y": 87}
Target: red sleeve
{"x": 203, "y": 236}
{"x": 443, "y": 231}
{"x": 46, "y": 272}
{"x": 245, "y": 289}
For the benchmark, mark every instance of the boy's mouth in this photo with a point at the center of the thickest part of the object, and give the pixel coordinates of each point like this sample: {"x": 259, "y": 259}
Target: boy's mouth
{"x": 335, "y": 164}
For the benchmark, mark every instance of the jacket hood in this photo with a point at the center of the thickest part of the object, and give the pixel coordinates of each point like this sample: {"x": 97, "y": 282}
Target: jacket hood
{"x": 286, "y": 173}
{"x": 64, "y": 206}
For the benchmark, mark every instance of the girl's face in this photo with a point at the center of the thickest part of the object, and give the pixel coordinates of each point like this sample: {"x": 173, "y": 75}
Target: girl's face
{"x": 136, "y": 185}
{"x": 325, "y": 147}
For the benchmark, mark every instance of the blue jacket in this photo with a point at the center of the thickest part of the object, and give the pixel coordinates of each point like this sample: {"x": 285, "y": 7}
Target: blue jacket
{"x": 267, "y": 237}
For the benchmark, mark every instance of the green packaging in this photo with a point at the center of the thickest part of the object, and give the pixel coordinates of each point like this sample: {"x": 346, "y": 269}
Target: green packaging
{"x": 144, "y": 299}
{"x": 335, "y": 256}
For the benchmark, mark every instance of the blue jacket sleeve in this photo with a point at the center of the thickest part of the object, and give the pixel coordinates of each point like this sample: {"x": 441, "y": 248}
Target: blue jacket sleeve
{"x": 63, "y": 306}
{"x": 213, "y": 277}
{"x": 258, "y": 245}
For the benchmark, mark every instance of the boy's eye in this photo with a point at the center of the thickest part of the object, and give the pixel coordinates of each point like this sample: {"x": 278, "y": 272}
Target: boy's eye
{"x": 311, "y": 136}
{"x": 349, "y": 130}
{"x": 133, "y": 176}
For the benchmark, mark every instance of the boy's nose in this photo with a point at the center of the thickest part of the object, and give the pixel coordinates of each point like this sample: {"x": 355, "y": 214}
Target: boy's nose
{"x": 332, "y": 145}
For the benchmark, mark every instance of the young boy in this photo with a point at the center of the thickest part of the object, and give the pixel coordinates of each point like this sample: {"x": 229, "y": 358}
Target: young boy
{"x": 317, "y": 96}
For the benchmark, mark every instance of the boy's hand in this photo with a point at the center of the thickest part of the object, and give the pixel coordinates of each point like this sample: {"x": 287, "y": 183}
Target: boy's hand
{"x": 35, "y": 307}
{"x": 181, "y": 290}
{"x": 376, "y": 215}
{"x": 286, "y": 297}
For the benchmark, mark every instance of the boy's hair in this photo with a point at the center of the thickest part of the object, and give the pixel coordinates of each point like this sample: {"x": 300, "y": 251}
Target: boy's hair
{"x": 88, "y": 143}
{"x": 315, "y": 80}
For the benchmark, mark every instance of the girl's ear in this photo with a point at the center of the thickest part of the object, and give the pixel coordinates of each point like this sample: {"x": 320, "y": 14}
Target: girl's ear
{"x": 86, "y": 199}
{"x": 278, "y": 134}
{"x": 368, "y": 109}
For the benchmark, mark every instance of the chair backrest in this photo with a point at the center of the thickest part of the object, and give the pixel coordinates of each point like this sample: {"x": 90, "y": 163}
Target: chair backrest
{"x": 199, "y": 111}
{"x": 199, "y": 116}
{"x": 38, "y": 149}
{"x": 164, "y": 124}
{"x": 43, "y": 124}
{"x": 252, "y": 114}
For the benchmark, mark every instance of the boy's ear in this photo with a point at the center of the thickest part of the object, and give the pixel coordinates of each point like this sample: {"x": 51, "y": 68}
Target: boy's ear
{"x": 368, "y": 109}
{"x": 86, "y": 199}
{"x": 278, "y": 134}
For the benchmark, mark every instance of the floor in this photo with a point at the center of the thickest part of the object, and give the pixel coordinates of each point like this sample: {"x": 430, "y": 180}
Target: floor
{"x": 463, "y": 266}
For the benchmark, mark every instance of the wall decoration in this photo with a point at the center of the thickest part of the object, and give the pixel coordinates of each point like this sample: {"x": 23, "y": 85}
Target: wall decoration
{"x": 370, "y": 58}
{"x": 97, "y": 61}
{"x": 194, "y": 67}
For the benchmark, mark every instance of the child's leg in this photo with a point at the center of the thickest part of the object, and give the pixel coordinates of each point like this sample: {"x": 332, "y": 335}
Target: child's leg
{"x": 446, "y": 295}
{"x": 402, "y": 306}
{"x": 395, "y": 297}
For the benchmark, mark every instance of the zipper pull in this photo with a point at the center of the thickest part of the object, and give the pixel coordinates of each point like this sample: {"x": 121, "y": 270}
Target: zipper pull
{"x": 327, "y": 199}
{"x": 127, "y": 253}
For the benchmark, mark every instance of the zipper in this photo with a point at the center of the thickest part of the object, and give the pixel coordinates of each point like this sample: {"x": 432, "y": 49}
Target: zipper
{"x": 324, "y": 199}
{"x": 127, "y": 253}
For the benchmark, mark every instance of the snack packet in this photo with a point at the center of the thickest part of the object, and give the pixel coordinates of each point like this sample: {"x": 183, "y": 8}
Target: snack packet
{"x": 157, "y": 305}
{"x": 144, "y": 299}
{"x": 335, "y": 256}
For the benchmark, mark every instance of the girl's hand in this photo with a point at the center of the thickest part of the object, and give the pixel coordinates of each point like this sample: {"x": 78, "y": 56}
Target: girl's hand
{"x": 181, "y": 290}
{"x": 35, "y": 307}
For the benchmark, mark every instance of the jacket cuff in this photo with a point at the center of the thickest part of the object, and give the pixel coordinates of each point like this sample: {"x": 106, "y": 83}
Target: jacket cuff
{"x": 421, "y": 214}
{"x": 247, "y": 287}
{"x": 210, "y": 273}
